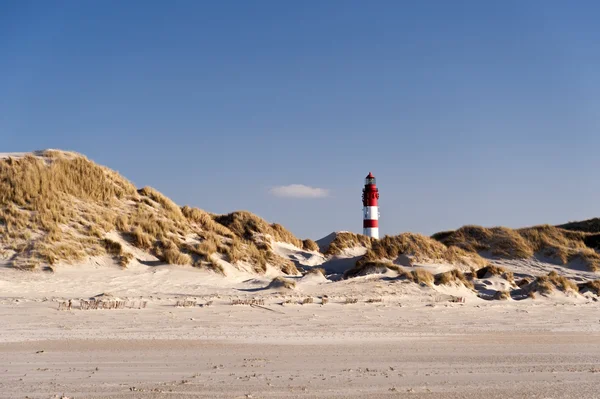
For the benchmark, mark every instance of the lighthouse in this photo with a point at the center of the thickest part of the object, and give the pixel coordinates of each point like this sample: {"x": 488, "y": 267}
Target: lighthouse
{"x": 370, "y": 209}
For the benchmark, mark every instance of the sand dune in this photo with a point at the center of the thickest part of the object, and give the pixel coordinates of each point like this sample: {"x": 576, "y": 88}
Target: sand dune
{"x": 107, "y": 291}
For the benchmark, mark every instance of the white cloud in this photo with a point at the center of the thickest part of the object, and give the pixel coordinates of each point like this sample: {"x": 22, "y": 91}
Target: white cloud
{"x": 299, "y": 191}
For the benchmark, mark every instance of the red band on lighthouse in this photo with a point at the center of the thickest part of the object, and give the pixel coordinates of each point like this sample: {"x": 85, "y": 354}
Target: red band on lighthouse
{"x": 370, "y": 208}
{"x": 370, "y": 223}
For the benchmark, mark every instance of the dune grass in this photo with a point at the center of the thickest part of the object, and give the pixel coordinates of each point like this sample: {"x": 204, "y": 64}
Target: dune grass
{"x": 280, "y": 282}
{"x": 591, "y": 286}
{"x": 364, "y": 267}
{"x": 310, "y": 245}
{"x": 345, "y": 240}
{"x": 419, "y": 276}
{"x": 453, "y": 276}
{"x": 502, "y": 295}
{"x": 545, "y": 240}
{"x": 553, "y": 281}
{"x": 316, "y": 270}
{"x": 493, "y": 270}
{"x": 57, "y": 207}
{"x": 245, "y": 224}
{"x": 125, "y": 258}
{"x": 419, "y": 248}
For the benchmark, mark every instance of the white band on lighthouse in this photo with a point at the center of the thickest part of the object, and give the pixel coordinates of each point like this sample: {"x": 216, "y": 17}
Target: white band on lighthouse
{"x": 371, "y": 232}
{"x": 371, "y": 212}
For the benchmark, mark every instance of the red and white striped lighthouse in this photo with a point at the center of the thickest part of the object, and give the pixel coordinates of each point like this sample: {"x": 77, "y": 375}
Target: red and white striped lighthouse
{"x": 370, "y": 209}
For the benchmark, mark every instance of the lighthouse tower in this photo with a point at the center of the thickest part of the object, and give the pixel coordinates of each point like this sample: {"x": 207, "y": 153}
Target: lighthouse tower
{"x": 370, "y": 209}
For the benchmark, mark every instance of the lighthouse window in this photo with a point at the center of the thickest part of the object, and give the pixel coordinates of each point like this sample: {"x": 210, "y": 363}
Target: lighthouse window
{"x": 370, "y": 180}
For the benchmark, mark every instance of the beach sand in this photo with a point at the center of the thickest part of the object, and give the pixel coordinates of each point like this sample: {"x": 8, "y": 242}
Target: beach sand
{"x": 405, "y": 346}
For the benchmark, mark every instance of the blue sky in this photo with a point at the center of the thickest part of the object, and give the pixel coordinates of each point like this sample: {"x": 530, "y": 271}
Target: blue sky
{"x": 467, "y": 112}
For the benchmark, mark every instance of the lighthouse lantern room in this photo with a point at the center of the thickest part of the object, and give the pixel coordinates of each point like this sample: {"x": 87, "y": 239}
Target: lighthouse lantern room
{"x": 370, "y": 209}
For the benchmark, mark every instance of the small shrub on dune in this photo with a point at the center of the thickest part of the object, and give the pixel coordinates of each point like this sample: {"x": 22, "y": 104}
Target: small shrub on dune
{"x": 588, "y": 256}
{"x": 502, "y": 295}
{"x": 122, "y": 223}
{"x": 283, "y": 264}
{"x": 562, "y": 283}
{"x": 316, "y": 270}
{"x": 216, "y": 266}
{"x": 493, "y": 270}
{"x": 206, "y": 221}
{"x": 453, "y": 276}
{"x": 543, "y": 285}
{"x": 590, "y": 286}
{"x": 158, "y": 197}
{"x": 171, "y": 254}
{"x": 345, "y": 240}
{"x": 245, "y": 225}
{"x": 208, "y": 246}
{"x": 210, "y": 264}
{"x": 125, "y": 259}
{"x": 420, "y": 276}
{"x": 281, "y": 234}
{"x": 112, "y": 247}
{"x": 310, "y": 245}
{"x": 547, "y": 284}
{"x": 523, "y": 282}
{"x": 364, "y": 267}
{"x": 307, "y": 300}
{"x": 141, "y": 240}
{"x": 280, "y": 282}
{"x": 94, "y": 231}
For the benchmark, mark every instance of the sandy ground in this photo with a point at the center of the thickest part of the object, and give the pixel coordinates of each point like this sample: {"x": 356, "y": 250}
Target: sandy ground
{"x": 366, "y": 350}
{"x": 413, "y": 344}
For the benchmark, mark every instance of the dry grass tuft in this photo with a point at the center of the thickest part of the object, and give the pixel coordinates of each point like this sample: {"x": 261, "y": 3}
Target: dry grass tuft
{"x": 169, "y": 252}
{"x": 168, "y": 205}
{"x": 590, "y": 286}
{"x": 493, "y": 270}
{"x": 141, "y": 240}
{"x": 205, "y": 221}
{"x": 310, "y": 245}
{"x": 364, "y": 267}
{"x": 125, "y": 259}
{"x": 500, "y": 241}
{"x": 280, "y": 282}
{"x": 502, "y": 295}
{"x": 547, "y": 284}
{"x": 523, "y": 282}
{"x": 562, "y": 283}
{"x": 560, "y": 244}
{"x": 453, "y": 276}
{"x": 420, "y": 276}
{"x": 419, "y": 248}
{"x": 113, "y": 247}
{"x": 246, "y": 225}
{"x": 316, "y": 270}
{"x": 345, "y": 240}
